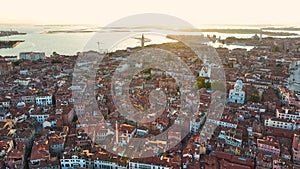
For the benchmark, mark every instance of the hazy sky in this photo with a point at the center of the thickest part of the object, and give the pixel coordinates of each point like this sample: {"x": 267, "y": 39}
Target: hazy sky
{"x": 194, "y": 11}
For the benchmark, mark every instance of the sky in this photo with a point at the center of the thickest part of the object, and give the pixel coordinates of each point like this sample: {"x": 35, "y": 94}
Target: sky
{"x": 197, "y": 12}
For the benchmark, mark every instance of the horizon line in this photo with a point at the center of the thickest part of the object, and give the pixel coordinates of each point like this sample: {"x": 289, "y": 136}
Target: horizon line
{"x": 204, "y": 24}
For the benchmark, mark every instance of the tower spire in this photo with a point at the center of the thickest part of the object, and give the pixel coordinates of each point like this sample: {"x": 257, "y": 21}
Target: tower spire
{"x": 143, "y": 41}
{"x": 117, "y": 133}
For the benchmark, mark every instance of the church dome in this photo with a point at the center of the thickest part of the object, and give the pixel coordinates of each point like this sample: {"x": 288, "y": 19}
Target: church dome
{"x": 238, "y": 84}
{"x": 21, "y": 104}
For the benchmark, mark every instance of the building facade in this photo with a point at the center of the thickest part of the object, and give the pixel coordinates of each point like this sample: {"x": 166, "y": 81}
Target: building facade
{"x": 287, "y": 114}
{"x": 269, "y": 144}
{"x": 281, "y": 123}
{"x": 33, "y": 56}
{"x": 296, "y": 149}
{"x": 237, "y": 95}
{"x": 44, "y": 100}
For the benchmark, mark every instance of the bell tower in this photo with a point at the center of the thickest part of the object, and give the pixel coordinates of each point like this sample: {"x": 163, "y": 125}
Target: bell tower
{"x": 143, "y": 41}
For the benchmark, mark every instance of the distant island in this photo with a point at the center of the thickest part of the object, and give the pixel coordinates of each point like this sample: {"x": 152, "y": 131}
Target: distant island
{"x": 10, "y": 43}
{"x": 269, "y": 31}
{"x": 242, "y": 31}
{"x": 68, "y": 31}
{"x": 10, "y": 33}
{"x": 282, "y": 28}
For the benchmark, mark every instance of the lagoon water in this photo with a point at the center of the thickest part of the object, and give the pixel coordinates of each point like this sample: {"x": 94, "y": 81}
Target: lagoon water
{"x": 58, "y": 38}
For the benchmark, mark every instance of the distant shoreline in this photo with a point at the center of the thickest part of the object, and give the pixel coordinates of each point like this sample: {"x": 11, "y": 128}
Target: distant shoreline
{"x": 244, "y": 31}
{"x": 269, "y": 31}
{"x": 10, "y": 44}
{"x": 10, "y": 33}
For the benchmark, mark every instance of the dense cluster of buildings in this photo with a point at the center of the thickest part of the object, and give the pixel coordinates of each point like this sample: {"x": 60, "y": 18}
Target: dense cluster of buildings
{"x": 42, "y": 127}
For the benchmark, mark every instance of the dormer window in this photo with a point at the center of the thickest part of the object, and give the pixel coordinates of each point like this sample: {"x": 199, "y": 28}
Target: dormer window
{"x": 74, "y": 157}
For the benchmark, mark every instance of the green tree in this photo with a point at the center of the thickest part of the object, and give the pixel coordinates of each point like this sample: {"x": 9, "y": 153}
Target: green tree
{"x": 202, "y": 84}
{"x": 75, "y": 118}
{"x": 275, "y": 49}
{"x": 149, "y": 78}
{"x": 53, "y": 61}
{"x": 207, "y": 85}
{"x": 147, "y": 71}
{"x": 230, "y": 65}
{"x": 17, "y": 63}
{"x": 254, "y": 98}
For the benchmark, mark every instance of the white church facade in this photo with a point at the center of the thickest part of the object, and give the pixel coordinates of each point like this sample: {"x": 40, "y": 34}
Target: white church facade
{"x": 237, "y": 95}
